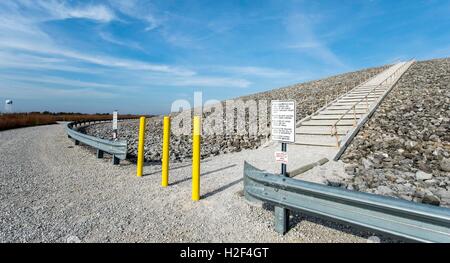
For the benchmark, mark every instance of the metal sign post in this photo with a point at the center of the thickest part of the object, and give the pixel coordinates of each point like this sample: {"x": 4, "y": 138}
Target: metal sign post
{"x": 283, "y": 165}
{"x": 283, "y": 114}
{"x": 115, "y": 115}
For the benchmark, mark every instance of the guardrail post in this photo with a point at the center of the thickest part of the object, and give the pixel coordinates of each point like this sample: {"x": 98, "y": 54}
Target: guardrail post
{"x": 281, "y": 220}
{"x": 99, "y": 154}
{"x": 196, "y": 159}
{"x": 115, "y": 160}
{"x": 77, "y": 142}
{"x": 140, "y": 161}
{"x": 165, "y": 154}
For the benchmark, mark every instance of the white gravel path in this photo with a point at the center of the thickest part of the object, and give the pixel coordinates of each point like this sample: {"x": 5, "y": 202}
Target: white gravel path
{"x": 53, "y": 191}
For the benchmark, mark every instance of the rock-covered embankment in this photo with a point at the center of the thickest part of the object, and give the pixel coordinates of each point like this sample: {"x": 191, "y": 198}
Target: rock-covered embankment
{"x": 404, "y": 149}
{"x": 310, "y": 97}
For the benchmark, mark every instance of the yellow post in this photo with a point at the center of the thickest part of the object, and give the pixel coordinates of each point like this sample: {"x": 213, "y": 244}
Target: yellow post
{"x": 165, "y": 154}
{"x": 196, "y": 159}
{"x": 140, "y": 161}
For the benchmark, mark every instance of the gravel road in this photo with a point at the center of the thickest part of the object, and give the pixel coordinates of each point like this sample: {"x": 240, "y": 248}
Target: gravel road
{"x": 53, "y": 191}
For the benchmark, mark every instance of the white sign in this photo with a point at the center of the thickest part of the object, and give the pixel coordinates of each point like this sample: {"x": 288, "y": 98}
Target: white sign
{"x": 281, "y": 157}
{"x": 283, "y": 121}
{"x": 115, "y": 120}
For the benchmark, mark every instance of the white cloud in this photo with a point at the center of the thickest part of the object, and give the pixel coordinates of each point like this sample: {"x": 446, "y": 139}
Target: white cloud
{"x": 27, "y": 49}
{"x": 60, "y": 10}
{"x": 304, "y": 39}
{"x": 19, "y": 32}
{"x": 62, "y": 82}
{"x": 211, "y": 82}
{"x": 195, "y": 81}
{"x": 124, "y": 43}
{"x": 142, "y": 10}
{"x": 100, "y": 60}
{"x": 24, "y": 91}
{"x": 304, "y": 45}
{"x": 99, "y": 13}
{"x": 255, "y": 71}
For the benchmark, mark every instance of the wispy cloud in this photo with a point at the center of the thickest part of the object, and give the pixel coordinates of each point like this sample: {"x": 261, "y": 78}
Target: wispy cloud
{"x": 64, "y": 82}
{"x": 32, "y": 48}
{"x": 255, "y": 71}
{"x": 100, "y": 60}
{"x": 120, "y": 42}
{"x": 59, "y": 10}
{"x": 211, "y": 82}
{"x": 94, "y": 12}
{"x": 30, "y": 38}
{"x": 142, "y": 10}
{"x": 33, "y": 91}
{"x": 301, "y": 28}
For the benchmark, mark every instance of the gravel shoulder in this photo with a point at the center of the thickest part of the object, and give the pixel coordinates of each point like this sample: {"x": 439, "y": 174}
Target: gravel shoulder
{"x": 53, "y": 191}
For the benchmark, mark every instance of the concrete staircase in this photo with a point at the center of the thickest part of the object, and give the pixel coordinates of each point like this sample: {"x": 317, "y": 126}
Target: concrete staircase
{"x": 337, "y": 123}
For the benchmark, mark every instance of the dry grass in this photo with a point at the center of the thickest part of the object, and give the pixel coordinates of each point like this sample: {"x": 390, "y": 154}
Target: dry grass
{"x": 20, "y": 120}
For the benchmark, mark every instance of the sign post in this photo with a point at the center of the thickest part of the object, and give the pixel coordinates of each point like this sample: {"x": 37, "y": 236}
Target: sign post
{"x": 115, "y": 115}
{"x": 283, "y": 115}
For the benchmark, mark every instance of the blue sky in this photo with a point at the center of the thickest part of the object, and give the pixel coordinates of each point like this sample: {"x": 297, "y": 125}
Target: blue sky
{"x": 139, "y": 56}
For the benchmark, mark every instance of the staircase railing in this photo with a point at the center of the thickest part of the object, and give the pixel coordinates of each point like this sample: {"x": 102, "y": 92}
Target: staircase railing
{"x": 366, "y": 98}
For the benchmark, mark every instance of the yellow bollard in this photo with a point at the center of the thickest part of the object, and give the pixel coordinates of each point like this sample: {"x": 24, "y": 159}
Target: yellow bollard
{"x": 140, "y": 161}
{"x": 196, "y": 159}
{"x": 165, "y": 152}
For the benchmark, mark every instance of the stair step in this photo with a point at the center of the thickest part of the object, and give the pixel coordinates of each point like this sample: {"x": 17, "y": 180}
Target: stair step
{"x": 324, "y": 130}
{"x": 355, "y": 100}
{"x": 350, "y": 103}
{"x": 375, "y": 86}
{"x": 340, "y": 111}
{"x": 363, "y": 94}
{"x": 372, "y": 83}
{"x": 371, "y": 88}
{"x": 348, "y": 116}
{"x": 360, "y": 97}
{"x": 327, "y": 123}
{"x": 318, "y": 140}
{"x": 347, "y": 106}
{"x": 368, "y": 90}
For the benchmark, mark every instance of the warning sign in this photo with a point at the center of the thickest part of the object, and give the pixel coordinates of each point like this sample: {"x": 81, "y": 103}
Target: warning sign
{"x": 283, "y": 121}
{"x": 281, "y": 157}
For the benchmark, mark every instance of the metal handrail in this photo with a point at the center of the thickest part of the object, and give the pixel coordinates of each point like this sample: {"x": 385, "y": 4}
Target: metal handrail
{"x": 329, "y": 103}
{"x": 393, "y": 216}
{"x": 353, "y": 106}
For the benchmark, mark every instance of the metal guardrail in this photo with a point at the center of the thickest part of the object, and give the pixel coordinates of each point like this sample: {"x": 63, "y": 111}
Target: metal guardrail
{"x": 118, "y": 149}
{"x": 400, "y": 218}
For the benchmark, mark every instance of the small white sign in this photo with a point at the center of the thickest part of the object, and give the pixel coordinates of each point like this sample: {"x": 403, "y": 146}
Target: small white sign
{"x": 283, "y": 121}
{"x": 281, "y": 157}
{"x": 115, "y": 120}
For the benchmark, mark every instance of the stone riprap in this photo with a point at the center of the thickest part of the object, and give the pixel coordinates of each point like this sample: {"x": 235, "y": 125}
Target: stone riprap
{"x": 309, "y": 96}
{"x": 404, "y": 149}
